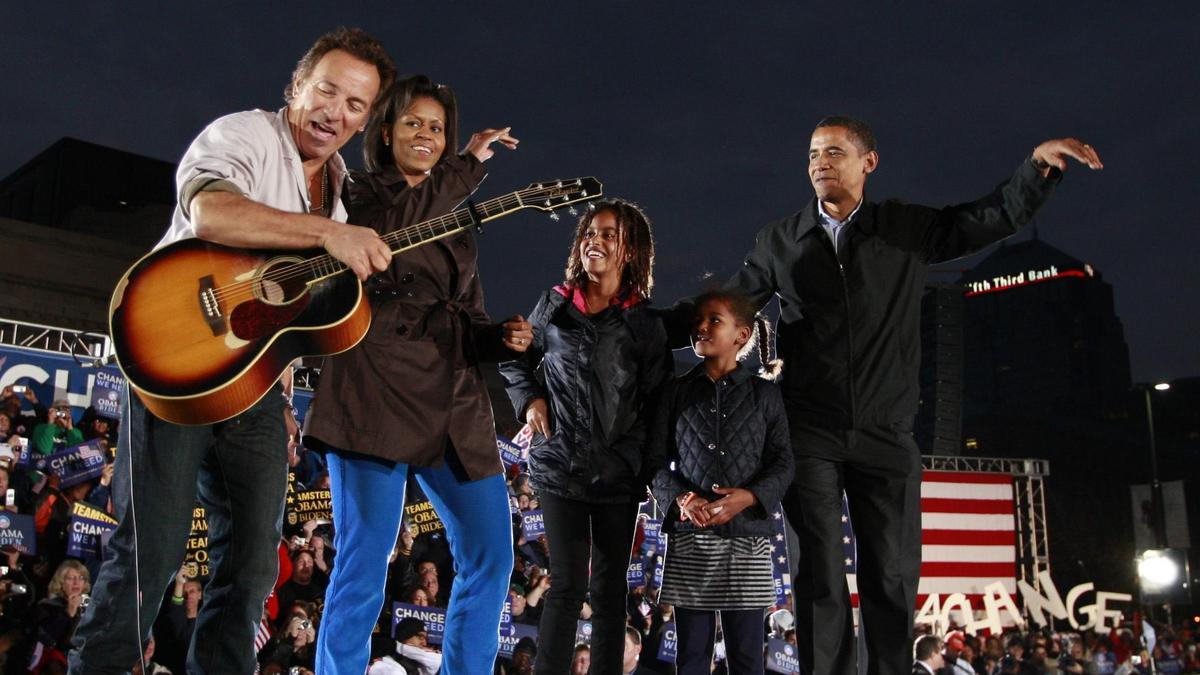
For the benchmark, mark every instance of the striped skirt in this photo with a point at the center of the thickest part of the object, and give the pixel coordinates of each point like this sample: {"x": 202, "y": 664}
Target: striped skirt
{"x": 707, "y": 572}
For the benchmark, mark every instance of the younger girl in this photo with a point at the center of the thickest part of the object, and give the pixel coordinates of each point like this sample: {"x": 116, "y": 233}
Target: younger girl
{"x": 728, "y": 461}
{"x": 605, "y": 358}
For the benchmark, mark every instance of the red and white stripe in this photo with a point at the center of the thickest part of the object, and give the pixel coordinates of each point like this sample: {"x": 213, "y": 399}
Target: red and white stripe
{"x": 968, "y": 535}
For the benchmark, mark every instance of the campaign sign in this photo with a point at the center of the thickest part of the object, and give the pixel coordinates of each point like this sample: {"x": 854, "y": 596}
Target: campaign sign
{"x": 511, "y": 634}
{"x": 510, "y": 453}
{"x": 524, "y": 438}
{"x": 88, "y": 525}
{"x": 106, "y": 393}
{"x": 532, "y": 524}
{"x": 433, "y": 617}
{"x": 652, "y": 529}
{"x": 636, "y": 575}
{"x": 780, "y": 565}
{"x": 76, "y": 464}
{"x": 17, "y": 530}
{"x": 308, "y": 505}
{"x": 669, "y": 644}
{"x": 583, "y": 632}
{"x": 782, "y": 657}
{"x": 506, "y": 614}
{"x": 423, "y": 517}
{"x": 196, "y": 551}
{"x": 658, "y": 569}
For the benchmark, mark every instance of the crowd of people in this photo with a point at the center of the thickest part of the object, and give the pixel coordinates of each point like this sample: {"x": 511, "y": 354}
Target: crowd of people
{"x": 42, "y": 595}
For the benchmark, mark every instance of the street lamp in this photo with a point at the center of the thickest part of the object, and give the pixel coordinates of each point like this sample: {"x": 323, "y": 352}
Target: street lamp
{"x": 1157, "y": 508}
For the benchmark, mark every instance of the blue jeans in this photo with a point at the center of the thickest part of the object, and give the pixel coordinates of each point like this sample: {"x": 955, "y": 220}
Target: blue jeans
{"x": 368, "y": 502}
{"x": 238, "y": 470}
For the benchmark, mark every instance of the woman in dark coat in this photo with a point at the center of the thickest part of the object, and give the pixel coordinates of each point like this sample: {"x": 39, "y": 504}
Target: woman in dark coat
{"x": 410, "y": 398}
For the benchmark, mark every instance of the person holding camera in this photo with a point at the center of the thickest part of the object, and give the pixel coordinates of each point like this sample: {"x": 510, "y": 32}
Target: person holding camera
{"x": 58, "y": 431}
{"x": 294, "y": 648}
{"x": 21, "y": 421}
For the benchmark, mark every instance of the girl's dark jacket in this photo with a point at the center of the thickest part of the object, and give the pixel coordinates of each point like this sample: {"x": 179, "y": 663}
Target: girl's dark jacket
{"x": 603, "y": 374}
{"x": 728, "y": 433}
{"x": 412, "y": 387}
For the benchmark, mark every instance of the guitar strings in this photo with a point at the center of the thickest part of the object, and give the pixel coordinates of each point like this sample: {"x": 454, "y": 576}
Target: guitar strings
{"x": 451, "y": 220}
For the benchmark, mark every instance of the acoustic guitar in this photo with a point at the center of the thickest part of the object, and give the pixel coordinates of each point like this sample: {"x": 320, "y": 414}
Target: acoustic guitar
{"x": 202, "y": 331}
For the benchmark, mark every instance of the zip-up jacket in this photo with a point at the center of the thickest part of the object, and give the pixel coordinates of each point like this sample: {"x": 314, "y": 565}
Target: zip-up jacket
{"x": 729, "y": 433}
{"x": 849, "y": 324}
{"x": 603, "y": 374}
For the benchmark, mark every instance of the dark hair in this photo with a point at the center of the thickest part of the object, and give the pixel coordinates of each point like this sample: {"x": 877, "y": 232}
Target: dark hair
{"x": 926, "y": 646}
{"x": 636, "y": 239}
{"x": 582, "y": 647}
{"x": 859, "y": 129}
{"x": 376, "y": 154}
{"x": 355, "y": 42}
{"x": 746, "y": 314}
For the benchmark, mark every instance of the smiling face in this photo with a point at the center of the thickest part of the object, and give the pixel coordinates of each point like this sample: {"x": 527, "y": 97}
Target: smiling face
{"x": 837, "y": 165}
{"x": 418, "y": 138}
{"x": 601, "y": 247}
{"x": 331, "y": 104}
{"x": 715, "y": 332}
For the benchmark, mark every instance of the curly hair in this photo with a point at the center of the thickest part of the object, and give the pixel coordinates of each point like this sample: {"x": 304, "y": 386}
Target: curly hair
{"x": 376, "y": 154}
{"x": 56, "y": 582}
{"x": 636, "y": 240}
{"x": 355, "y": 42}
{"x": 746, "y": 314}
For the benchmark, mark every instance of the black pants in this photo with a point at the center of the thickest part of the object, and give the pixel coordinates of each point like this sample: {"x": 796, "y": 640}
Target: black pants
{"x": 580, "y": 533}
{"x": 879, "y": 469}
{"x": 744, "y": 637}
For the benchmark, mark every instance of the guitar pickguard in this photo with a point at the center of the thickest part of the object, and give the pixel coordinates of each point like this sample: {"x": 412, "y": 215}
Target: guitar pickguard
{"x": 255, "y": 319}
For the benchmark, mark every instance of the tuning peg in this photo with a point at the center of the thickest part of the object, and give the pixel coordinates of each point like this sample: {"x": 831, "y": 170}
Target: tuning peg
{"x": 554, "y": 216}
{"x": 573, "y": 211}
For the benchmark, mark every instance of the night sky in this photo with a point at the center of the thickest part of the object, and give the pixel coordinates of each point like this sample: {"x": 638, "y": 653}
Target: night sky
{"x": 699, "y": 111}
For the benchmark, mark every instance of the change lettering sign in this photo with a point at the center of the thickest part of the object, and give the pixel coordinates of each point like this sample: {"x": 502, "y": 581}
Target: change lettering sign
{"x": 196, "y": 555}
{"x": 106, "y": 393}
{"x": 669, "y": 645}
{"x": 532, "y": 524}
{"x": 87, "y": 529}
{"x": 76, "y": 464}
{"x": 511, "y": 634}
{"x": 782, "y": 657}
{"x": 433, "y": 617}
{"x": 652, "y": 529}
{"x": 636, "y": 574}
{"x": 510, "y": 453}
{"x": 17, "y": 530}
{"x": 309, "y": 505}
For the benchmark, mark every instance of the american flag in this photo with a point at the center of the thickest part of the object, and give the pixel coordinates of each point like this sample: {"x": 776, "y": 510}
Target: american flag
{"x": 263, "y": 635}
{"x": 968, "y": 536}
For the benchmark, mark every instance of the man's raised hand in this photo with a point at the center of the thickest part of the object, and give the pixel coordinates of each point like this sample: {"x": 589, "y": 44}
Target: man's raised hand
{"x": 1056, "y": 151}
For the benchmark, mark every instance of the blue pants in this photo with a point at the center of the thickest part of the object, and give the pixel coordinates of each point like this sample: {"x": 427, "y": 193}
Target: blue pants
{"x": 368, "y": 502}
{"x": 238, "y": 470}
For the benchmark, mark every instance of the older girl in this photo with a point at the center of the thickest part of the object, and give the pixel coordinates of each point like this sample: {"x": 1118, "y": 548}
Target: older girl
{"x": 605, "y": 357}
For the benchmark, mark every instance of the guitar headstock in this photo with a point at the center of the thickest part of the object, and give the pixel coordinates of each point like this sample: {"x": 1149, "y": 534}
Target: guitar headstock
{"x": 554, "y": 194}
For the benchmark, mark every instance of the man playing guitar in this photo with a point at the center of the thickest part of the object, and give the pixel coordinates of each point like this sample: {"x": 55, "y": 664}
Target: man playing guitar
{"x": 255, "y": 180}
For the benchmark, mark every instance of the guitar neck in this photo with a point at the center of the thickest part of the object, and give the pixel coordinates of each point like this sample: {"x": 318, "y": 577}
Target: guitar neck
{"x": 325, "y": 266}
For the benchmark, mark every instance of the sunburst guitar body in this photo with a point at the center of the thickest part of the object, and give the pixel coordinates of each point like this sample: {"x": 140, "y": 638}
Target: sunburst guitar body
{"x": 202, "y": 331}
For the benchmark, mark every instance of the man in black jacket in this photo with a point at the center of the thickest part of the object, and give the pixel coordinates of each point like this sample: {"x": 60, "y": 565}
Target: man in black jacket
{"x": 849, "y": 275}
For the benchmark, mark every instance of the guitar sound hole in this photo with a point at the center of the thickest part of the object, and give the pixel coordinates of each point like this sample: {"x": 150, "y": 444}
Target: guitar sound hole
{"x": 277, "y": 284}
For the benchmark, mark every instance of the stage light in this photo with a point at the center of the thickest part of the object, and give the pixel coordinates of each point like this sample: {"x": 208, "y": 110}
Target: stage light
{"x": 1162, "y": 575}
{"x": 1162, "y": 386}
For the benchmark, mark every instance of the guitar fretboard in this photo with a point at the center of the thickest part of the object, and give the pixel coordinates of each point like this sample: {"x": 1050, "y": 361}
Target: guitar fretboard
{"x": 325, "y": 266}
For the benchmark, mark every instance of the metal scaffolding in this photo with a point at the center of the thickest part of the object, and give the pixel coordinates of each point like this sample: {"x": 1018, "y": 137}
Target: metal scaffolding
{"x": 1029, "y": 501}
{"x": 55, "y": 340}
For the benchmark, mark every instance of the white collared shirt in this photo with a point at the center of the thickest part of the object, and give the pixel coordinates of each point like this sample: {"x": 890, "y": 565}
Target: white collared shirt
{"x": 253, "y": 151}
{"x": 833, "y": 227}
